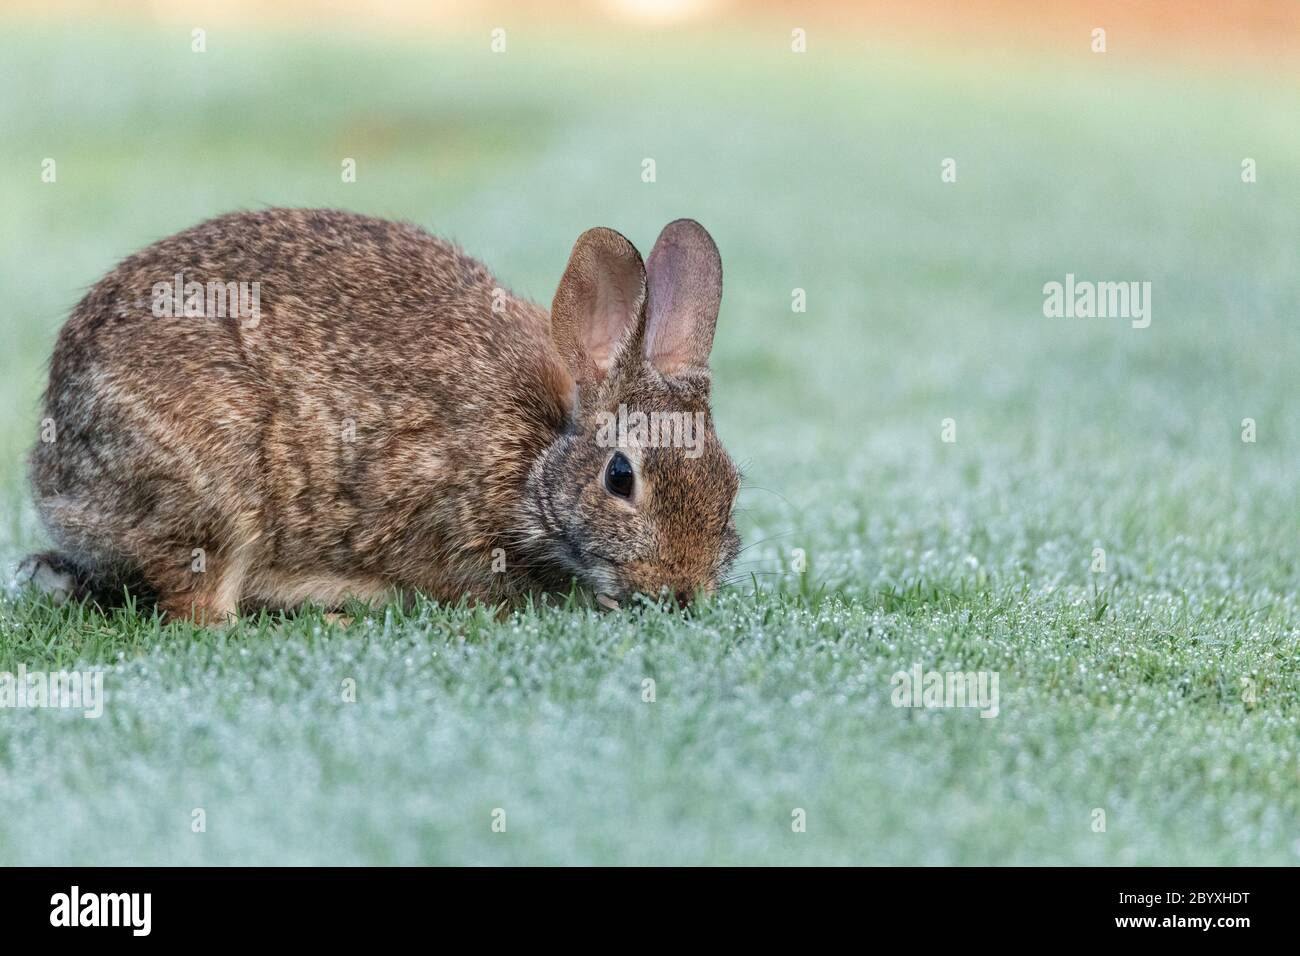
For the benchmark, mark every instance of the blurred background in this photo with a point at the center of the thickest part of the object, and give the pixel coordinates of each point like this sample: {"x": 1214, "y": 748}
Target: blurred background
{"x": 817, "y": 170}
{"x": 513, "y": 127}
{"x": 811, "y": 140}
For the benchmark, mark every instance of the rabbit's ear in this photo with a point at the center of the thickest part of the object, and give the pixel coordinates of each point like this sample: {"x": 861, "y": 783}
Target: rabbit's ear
{"x": 599, "y": 303}
{"x": 685, "y": 286}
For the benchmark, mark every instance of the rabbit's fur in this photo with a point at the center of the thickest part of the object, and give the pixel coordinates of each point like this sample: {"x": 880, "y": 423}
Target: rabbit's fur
{"x": 393, "y": 420}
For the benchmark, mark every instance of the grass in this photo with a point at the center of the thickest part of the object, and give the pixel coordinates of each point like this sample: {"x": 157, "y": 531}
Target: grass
{"x": 1121, "y": 691}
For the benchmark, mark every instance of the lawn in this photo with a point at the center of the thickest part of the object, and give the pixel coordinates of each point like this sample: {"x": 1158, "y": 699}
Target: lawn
{"x": 1161, "y": 691}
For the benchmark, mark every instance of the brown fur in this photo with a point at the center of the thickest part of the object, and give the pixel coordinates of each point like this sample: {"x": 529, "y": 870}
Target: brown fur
{"x": 473, "y": 426}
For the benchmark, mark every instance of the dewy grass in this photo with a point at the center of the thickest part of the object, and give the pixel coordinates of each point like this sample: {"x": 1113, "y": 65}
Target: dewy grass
{"x": 1096, "y": 533}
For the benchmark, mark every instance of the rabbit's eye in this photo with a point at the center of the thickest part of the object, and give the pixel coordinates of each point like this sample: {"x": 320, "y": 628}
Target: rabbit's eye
{"x": 619, "y": 476}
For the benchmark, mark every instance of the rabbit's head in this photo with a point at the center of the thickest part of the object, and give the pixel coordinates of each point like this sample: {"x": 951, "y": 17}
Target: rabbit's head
{"x": 636, "y": 497}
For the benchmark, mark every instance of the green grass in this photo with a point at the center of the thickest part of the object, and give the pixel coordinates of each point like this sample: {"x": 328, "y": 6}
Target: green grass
{"x": 1121, "y": 691}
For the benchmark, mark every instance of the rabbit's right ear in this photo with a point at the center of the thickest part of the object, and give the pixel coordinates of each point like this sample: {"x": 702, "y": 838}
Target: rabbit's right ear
{"x": 599, "y": 304}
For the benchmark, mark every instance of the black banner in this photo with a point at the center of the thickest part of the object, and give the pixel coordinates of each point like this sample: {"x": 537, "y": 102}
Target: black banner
{"x": 939, "y": 907}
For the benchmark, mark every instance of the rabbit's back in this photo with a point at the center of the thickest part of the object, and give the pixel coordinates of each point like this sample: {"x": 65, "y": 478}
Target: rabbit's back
{"x": 352, "y": 391}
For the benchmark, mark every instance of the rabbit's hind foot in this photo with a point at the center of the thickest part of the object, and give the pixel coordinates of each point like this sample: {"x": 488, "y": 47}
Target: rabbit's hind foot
{"x": 47, "y": 574}
{"x": 207, "y": 597}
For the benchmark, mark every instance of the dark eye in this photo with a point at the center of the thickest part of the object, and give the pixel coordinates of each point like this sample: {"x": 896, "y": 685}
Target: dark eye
{"x": 619, "y": 477}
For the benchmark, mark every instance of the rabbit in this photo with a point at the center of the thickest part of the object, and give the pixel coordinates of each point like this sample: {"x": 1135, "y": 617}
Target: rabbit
{"x": 379, "y": 417}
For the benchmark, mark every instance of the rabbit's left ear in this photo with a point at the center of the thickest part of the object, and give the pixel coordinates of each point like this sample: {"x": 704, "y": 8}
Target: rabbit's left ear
{"x": 684, "y": 278}
{"x": 598, "y": 304}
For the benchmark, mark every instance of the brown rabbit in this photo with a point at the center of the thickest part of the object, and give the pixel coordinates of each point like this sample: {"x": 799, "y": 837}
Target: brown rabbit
{"x": 309, "y": 405}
